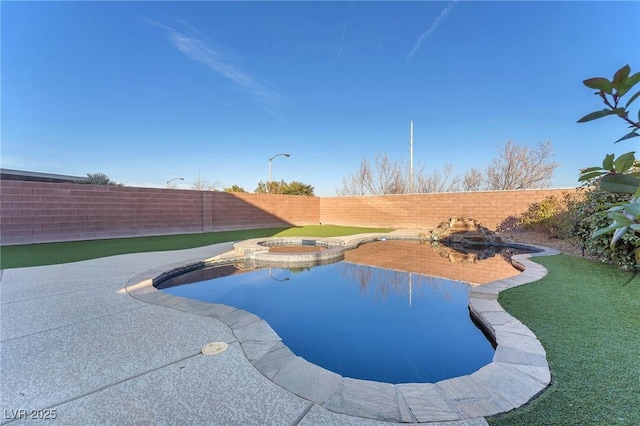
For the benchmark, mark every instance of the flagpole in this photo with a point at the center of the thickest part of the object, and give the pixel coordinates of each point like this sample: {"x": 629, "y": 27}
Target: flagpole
{"x": 411, "y": 157}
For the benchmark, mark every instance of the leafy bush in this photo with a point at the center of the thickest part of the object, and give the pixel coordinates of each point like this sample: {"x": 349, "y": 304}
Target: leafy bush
{"x": 618, "y": 175}
{"x": 234, "y": 188}
{"x": 511, "y": 223}
{"x": 591, "y": 217}
{"x": 576, "y": 216}
{"x": 555, "y": 216}
{"x": 100, "y": 179}
{"x": 543, "y": 216}
{"x": 286, "y": 188}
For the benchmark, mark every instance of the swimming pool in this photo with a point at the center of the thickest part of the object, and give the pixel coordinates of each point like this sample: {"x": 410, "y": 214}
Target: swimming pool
{"x": 518, "y": 372}
{"x": 359, "y": 321}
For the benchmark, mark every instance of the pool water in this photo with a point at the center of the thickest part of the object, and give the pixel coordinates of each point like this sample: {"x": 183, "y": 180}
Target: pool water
{"x": 358, "y": 321}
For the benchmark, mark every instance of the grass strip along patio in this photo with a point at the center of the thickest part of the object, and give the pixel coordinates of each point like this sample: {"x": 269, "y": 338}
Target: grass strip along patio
{"x": 587, "y": 316}
{"x": 73, "y": 251}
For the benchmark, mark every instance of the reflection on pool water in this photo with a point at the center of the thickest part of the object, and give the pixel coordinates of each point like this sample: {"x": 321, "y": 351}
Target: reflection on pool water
{"x": 359, "y": 321}
{"x": 476, "y": 264}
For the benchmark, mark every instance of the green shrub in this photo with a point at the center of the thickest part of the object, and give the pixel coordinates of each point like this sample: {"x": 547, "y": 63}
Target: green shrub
{"x": 575, "y": 217}
{"x": 589, "y": 219}
{"x": 511, "y": 223}
{"x": 555, "y": 216}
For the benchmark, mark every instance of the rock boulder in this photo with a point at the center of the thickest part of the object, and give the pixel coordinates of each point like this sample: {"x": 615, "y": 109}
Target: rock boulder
{"x": 464, "y": 231}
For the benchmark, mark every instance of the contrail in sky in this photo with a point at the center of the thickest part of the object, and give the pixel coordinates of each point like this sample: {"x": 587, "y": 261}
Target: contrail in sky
{"x": 431, "y": 29}
{"x": 194, "y": 47}
{"x": 344, "y": 30}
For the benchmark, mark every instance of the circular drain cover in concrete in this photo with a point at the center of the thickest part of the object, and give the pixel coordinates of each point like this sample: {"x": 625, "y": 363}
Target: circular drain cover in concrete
{"x": 214, "y": 348}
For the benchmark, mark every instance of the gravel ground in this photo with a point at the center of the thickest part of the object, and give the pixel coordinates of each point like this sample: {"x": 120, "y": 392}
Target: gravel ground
{"x": 534, "y": 237}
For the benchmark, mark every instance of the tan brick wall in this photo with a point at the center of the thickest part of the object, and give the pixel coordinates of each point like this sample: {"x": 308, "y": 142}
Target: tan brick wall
{"x": 429, "y": 210}
{"x": 245, "y": 210}
{"x": 40, "y": 212}
{"x": 33, "y": 212}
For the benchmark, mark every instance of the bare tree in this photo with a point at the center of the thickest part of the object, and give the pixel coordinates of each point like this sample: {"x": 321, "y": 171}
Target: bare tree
{"x": 473, "y": 180}
{"x": 201, "y": 184}
{"x": 521, "y": 168}
{"x": 385, "y": 177}
{"x": 516, "y": 168}
{"x": 354, "y": 184}
{"x": 438, "y": 181}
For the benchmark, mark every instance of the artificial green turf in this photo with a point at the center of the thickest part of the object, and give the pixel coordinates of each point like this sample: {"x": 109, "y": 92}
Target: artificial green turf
{"x": 587, "y": 316}
{"x": 54, "y": 253}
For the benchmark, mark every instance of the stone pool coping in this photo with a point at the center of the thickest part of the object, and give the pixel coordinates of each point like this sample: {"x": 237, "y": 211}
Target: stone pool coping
{"x": 518, "y": 372}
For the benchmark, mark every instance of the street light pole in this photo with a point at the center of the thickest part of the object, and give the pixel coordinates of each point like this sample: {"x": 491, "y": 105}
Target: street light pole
{"x": 171, "y": 180}
{"x": 271, "y": 159}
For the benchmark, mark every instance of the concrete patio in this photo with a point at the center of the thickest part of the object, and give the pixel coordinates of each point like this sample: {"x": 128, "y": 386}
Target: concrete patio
{"x": 84, "y": 342}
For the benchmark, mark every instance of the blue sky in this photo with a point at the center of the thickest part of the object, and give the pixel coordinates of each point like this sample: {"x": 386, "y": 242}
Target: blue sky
{"x": 149, "y": 91}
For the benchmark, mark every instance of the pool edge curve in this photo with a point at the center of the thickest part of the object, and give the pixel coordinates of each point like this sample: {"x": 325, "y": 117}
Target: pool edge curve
{"x": 518, "y": 372}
